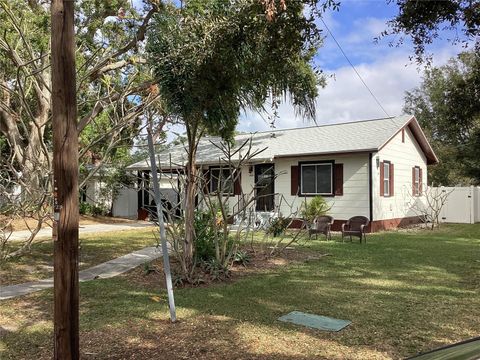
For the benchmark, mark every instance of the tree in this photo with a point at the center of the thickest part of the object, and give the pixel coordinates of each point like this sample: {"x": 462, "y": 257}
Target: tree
{"x": 113, "y": 89}
{"x": 428, "y": 207}
{"x": 423, "y": 22}
{"x": 447, "y": 105}
{"x": 212, "y": 58}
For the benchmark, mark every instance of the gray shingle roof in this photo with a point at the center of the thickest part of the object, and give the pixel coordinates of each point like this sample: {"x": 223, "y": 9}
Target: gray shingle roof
{"x": 359, "y": 136}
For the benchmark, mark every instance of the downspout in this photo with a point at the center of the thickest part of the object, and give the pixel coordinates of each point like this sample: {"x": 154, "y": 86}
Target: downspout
{"x": 370, "y": 186}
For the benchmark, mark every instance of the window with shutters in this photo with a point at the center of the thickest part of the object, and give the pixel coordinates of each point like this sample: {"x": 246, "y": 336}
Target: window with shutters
{"x": 416, "y": 181}
{"x": 316, "y": 179}
{"x": 221, "y": 180}
{"x": 386, "y": 178}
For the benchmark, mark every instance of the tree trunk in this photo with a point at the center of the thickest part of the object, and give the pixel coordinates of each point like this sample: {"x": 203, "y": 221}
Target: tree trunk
{"x": 191, "y": 191}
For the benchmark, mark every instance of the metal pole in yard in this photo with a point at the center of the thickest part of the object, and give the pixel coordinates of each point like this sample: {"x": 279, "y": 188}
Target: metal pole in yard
{"x": 161, "y": 223}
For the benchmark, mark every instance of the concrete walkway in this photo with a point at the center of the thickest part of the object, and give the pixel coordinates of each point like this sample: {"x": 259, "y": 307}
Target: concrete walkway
{"x": 83, "y": 229}
{"x": 103, "y": 271}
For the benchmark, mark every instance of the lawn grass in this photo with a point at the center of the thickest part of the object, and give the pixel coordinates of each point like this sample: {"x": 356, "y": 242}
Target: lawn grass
{"x": 404, "y": 292}
{"x": 94, "y": 249}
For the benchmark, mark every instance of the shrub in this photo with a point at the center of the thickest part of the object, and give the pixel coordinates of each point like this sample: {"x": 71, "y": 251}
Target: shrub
{"x": 92, "y": 210}
{"x": 216, "y": 270}
{"x": 205, "y": 235}
{"x": 242, "y": 257}
{"x": 99, "y": 210}
{"x": 85, "y": 208}
{"x": 315, "y": 207}
{"x": 278, "y": 226}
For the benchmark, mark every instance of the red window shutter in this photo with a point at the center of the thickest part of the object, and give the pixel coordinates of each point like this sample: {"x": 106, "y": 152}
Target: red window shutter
{"x": 294, "y": 180}
{"x": 381, "y": 179}
{"x": 237, "y": 186}
{"x": 338, "y": 181}
{"x": 392, "y": 180}
{"x": 420, "y": 182}
{"x": 414, "y": 190}
{"x": 206, "y": 179}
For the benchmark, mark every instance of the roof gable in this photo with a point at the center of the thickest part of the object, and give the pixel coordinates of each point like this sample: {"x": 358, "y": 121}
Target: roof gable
{"x": 420, "y": 137}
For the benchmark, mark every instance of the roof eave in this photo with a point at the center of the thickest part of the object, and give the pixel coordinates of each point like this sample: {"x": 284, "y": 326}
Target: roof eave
{"x": 341, "y": 152}
{"x": 422, "y": 140}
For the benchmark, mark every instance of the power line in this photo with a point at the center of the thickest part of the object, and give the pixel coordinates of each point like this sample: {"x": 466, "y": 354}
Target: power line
{"x": 354, "y": 69}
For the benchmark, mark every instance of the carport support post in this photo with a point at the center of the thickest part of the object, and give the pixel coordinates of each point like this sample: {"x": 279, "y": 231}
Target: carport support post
{"x": 65, "y": 181}
{"x": 161, "y": 223}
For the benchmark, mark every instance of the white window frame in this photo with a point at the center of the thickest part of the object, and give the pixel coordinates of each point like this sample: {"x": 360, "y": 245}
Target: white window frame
{"x": 386, "y": 179}
{"x": 316, "y": 164}
{"x": 220, "y": 169}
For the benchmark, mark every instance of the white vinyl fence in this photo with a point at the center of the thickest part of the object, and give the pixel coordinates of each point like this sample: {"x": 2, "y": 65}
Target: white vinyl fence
{"x": 462, "y": 206}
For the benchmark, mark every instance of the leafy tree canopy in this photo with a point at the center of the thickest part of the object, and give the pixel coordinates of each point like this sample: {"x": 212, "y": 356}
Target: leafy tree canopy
{"x": 213, "y": 58}
{"x": 424, "y": 21}
{"x": 447, "y": 105}
{"x": 113, "y": 83}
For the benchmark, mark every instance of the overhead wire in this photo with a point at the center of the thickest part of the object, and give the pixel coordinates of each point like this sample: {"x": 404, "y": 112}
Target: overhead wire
{"x": 354, "y": 69}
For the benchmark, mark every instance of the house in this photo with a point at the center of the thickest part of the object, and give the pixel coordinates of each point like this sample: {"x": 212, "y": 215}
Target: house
{"x": 372, "y": 168}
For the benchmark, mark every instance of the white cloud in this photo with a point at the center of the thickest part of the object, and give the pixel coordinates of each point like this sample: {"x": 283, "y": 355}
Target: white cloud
{"x": 345, "y": 98}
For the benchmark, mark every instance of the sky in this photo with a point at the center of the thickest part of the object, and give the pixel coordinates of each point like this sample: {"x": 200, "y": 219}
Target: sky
{"x": 386, "y": 70}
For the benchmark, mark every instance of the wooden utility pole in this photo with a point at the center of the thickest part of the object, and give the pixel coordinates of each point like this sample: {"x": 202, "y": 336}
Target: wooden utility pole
{"x": 65, "y": 181}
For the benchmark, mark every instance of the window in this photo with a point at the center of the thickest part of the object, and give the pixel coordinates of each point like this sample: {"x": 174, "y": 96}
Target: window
{"x": 221, "y": 180}
{"x": 417, "y": 181}
{"x": 316, "y": 179}
{"x": 386, "y": 178}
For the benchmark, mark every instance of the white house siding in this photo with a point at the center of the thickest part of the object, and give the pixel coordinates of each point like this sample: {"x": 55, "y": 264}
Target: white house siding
{"x": 355, "y": 198}
{"x": 404, "y": 156}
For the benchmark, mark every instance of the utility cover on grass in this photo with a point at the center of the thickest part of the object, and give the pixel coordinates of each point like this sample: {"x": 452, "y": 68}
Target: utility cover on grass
{"x": 315, "y": 321}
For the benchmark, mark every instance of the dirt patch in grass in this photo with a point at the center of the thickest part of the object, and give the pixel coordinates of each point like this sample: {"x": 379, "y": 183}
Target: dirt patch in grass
{"x": 151, "y": 275}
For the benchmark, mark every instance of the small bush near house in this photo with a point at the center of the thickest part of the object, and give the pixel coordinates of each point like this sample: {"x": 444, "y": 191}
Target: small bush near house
{"x": 93, "y": 210}
{"x": 315, "y": 207}
{"x": 99, "y": 211}
{"x": 85, "y": 208}
{"x": 278, "y": 226}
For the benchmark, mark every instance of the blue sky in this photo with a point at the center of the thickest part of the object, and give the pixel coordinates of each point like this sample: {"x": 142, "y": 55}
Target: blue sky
{"x": 355, "y": 26}
{"x": 387, "y": 70}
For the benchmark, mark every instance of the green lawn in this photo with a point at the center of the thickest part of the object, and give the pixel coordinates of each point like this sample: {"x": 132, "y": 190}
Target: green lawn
{"x": 95, "y": 249}
{"x": 405, "y": 292}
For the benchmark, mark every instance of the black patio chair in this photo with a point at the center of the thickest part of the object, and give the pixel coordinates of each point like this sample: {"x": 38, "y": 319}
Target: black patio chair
{"x": 356, "y": 226}
{"x": 321, "y": 225}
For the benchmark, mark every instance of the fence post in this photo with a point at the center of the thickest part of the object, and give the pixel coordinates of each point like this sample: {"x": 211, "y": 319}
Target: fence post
{"x": 471, "y": 199}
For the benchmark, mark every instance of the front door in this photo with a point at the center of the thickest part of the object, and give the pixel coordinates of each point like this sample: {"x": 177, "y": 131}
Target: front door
{"x": 265, "y": 187}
